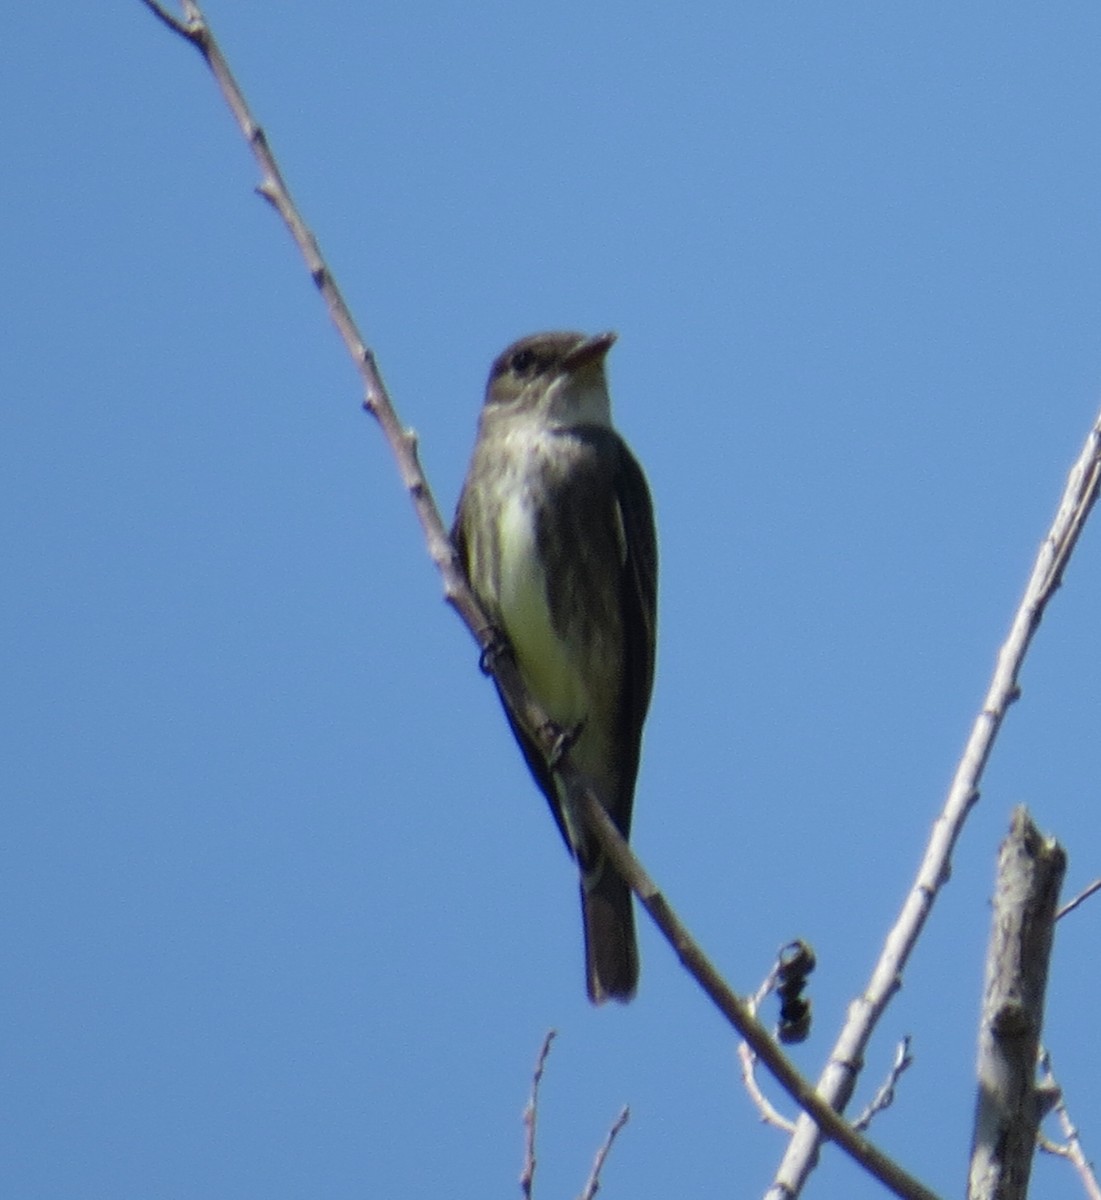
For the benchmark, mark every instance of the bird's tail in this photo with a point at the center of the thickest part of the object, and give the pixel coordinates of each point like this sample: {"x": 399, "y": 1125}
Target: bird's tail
{"x": 611, "y": 951}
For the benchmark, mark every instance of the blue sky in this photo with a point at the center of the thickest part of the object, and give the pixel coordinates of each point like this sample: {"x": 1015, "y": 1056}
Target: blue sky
{"x": 283, "y": 914}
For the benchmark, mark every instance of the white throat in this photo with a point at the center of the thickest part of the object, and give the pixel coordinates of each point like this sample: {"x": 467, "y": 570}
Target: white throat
{"x": 580, "y": 399}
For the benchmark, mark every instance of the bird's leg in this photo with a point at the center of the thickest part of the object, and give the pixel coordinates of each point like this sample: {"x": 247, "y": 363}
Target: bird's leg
{"x": 496, "y": 647}
{"x": 564, "y": 740}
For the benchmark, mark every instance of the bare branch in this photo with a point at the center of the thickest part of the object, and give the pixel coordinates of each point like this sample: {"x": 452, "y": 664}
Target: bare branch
{"x": 1070, "y": 1149}
{"x": 1081, "y": 898}
{"x": 885, "y": 1096}
{"x": 531, "y": 1110}
{"x": 736, "y": 1010}
{"x": 882, "y": 1099}
{"x": 768, "y": 1113}
{"x": 527, "y": 1176}
{"x": 838, "y": 1079}
{"x": 592, "y": 1184}
{"x": 1008, "y": 1109}
{"x": 402, "y": 442}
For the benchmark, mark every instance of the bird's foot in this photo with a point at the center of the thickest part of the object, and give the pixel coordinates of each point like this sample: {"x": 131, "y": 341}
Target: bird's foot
{"x": 563, "y": 740}
{"x": 496, "y": 647}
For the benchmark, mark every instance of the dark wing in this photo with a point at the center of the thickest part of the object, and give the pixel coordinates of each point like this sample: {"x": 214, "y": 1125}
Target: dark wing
{"x": 639, "y": 608}
{"x": 635, "y": 542}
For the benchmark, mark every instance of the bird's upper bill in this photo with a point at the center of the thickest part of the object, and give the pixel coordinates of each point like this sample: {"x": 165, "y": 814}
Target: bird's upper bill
{"x": 591, "y": 349}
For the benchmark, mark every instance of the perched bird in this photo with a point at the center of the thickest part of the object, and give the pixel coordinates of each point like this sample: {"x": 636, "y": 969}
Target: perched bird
{"x": 556, "y": 531}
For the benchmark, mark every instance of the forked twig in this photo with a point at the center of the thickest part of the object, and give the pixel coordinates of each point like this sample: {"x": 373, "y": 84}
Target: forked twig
{"x": 769, "y": 1114}
{"x": 838, "y": 1079}
{"x": 885, "y": 1096}
{"x": 1071, "y": 1147}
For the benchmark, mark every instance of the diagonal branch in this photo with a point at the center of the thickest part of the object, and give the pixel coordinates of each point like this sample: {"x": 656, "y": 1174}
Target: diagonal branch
{"x": 376, "y": 399}
{"x": 592, "y": 1184}
{"x": 839, "y": 1077}
{"x": 1081, "y": 898}
{"x": 736, "y": 1010}
{"x": 836, "y": 1085}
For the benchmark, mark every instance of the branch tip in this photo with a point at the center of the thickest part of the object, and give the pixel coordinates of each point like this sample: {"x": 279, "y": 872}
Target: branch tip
{"x": 188, "y": 29}
{"x": 527, "y": 1174}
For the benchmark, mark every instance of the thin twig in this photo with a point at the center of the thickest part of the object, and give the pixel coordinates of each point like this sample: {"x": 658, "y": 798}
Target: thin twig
{"x": 838, "y": 1079}
{"x": 1071, "y": 1148}
{"x": 1081, "y": 898}
{"x": 531, "y": 1110}
{"x": 768, "y": 1113}
{"x": 592, "y": 1184}
{"x": 885, "y": 1096}
{"x": 402, "y": 441}
{"x": 766, "y": 1110}
{"x": 457, "y": 592}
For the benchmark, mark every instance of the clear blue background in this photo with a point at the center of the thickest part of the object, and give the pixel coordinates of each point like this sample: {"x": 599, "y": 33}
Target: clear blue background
{"x": 282, "y": 913}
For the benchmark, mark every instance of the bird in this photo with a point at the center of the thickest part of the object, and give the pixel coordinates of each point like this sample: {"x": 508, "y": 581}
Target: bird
{"x": 555, "y": 530}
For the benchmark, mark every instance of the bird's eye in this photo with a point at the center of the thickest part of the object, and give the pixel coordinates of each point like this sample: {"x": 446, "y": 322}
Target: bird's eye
{"x": 522, "y": 362}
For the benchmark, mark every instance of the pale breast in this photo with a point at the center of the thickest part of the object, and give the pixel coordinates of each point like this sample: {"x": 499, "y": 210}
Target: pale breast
{"x": 549, "y": 669}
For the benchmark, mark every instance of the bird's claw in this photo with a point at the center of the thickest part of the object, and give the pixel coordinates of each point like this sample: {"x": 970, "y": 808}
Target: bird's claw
{"x": 496, "y": 647}
{"x": 564, "y": 739}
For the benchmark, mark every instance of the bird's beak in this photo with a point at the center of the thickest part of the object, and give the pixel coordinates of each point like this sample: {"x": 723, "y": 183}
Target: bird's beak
{"x": 592, "y": 349}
